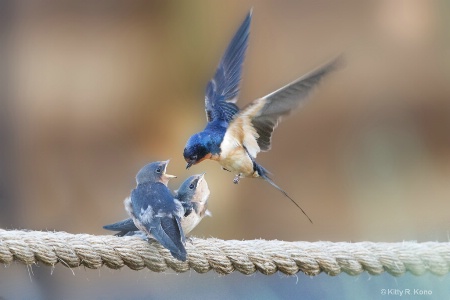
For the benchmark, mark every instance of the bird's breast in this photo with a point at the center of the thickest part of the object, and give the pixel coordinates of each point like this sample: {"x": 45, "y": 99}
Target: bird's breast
{"x": 236, "y": 160}
{"x": 189, "y": 222}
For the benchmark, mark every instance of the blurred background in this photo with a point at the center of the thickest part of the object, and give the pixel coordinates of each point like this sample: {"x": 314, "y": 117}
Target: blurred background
{"x": 92, "y": 91}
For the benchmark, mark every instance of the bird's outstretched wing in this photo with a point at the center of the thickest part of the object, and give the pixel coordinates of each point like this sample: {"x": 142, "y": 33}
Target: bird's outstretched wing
{"x": 258, "y": 119}
{"x": 222, "y": 91}
{"x": 123, "y": 227}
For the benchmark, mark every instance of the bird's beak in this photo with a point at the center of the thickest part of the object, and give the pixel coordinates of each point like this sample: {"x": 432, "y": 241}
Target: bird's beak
{"x": 168, "y": 176}
{"x": 189, "y": 164}
{"x": 202, "y": 176}
{"x": 165, "y": 178}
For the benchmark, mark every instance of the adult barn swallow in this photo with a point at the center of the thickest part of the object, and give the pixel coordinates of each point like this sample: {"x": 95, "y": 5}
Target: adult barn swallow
{"x": 234, "y": 137}
{"x": 155, "y": 211}
{"x": 193, "y": 195}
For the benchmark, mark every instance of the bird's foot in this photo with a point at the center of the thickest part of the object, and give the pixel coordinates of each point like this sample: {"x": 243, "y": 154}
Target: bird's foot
{"x": 236, "y": 179}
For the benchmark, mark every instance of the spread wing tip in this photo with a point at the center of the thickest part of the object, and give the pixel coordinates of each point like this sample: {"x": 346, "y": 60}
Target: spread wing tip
{"x": 222, "y": 91}
{"x": 334, "y": 64}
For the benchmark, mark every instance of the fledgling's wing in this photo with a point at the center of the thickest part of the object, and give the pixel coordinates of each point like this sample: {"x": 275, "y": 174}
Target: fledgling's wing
{"x": 158, "y": 214}
{"x": 222, "y": 91}
{"x": 167, "y": 230}
{"x": 124, "y": 227}
{"x": 256, "y": 122}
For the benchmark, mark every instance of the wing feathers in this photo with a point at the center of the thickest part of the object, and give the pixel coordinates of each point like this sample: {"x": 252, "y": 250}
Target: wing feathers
{"x": 222, "y": 91}
{"x": 169, "y": 233}
{"x": 266, "y": 112}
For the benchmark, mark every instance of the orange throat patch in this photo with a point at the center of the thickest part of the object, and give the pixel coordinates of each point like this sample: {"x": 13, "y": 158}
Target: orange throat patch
{"x": 207, "y": 156}
{"x": 215, "y": 157}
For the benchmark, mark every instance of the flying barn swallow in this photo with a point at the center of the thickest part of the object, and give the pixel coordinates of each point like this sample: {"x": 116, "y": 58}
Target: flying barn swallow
{"x": 234, "y": 137}
{"x": 155, "y": 211}
{"x": 193, "y": 195}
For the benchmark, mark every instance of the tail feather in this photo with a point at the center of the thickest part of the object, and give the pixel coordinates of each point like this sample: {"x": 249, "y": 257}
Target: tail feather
{"x": 263, "y": 173}
{"x": 123, "y": 226}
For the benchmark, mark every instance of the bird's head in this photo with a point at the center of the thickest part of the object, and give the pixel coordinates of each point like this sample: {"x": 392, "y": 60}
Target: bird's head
{"x": 196, "y": 150}
{"x": 154, "y": 172}
{"x": 193, "y": 189}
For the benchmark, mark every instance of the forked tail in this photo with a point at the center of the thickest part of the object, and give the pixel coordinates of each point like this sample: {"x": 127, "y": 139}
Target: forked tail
{"x": 263, "y": 173}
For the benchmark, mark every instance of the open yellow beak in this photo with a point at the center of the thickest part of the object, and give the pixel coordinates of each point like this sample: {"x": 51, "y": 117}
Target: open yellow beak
{"x": 168, "y": 176}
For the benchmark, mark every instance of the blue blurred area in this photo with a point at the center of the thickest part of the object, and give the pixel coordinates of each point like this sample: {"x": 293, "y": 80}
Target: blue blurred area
{"x": 91, "y": 91}
{"x": 43, "y": 283}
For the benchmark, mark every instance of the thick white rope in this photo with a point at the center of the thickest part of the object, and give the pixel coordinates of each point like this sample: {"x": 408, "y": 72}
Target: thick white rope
{"x": 224, "y": 257}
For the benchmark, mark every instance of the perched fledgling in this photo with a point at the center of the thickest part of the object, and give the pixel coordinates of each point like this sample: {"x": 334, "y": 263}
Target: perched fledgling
{"x": 155, "y": 211}
{"x": 193, "y": 195}
{"x": 234, "y": 137}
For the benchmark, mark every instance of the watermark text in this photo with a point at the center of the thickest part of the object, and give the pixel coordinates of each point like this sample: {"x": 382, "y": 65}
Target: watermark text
{"x": 406, "y": 292}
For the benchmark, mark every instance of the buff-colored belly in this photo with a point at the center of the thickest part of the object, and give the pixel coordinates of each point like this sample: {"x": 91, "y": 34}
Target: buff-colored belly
{"x": 238, "y": 162}
{"x": 188, "y": 223}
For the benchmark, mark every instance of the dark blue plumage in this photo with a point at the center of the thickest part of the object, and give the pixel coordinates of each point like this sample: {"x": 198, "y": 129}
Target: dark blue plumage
{"x": 221, "y": 94}
{"x": 154, "y": 210}
{"x": 222, "y": 91}
{"x": 234, "y": 137}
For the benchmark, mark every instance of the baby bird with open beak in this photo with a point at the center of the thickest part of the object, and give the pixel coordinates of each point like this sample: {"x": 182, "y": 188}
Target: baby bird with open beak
{"x": 193, "y": 195}
{"x": 155, "y": 211}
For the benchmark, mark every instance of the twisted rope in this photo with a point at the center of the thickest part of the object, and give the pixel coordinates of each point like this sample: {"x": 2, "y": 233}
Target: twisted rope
{"x": 224, "y": 257}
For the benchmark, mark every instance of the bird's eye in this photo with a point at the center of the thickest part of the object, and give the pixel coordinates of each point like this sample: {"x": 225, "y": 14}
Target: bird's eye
{"x": 194, "y": 157}
{"x": 191, "y": 186}
{"x": 158, "y": 170}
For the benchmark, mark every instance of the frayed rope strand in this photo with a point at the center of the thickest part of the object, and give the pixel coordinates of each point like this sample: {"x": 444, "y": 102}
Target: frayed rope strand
{"x": 224, "y": 257}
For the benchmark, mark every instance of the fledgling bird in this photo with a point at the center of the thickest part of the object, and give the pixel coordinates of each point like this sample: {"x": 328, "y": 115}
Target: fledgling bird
{"x": 155, "y": 211}
{"x": 234, "y": 137}
{"x": 193, "y": 195}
